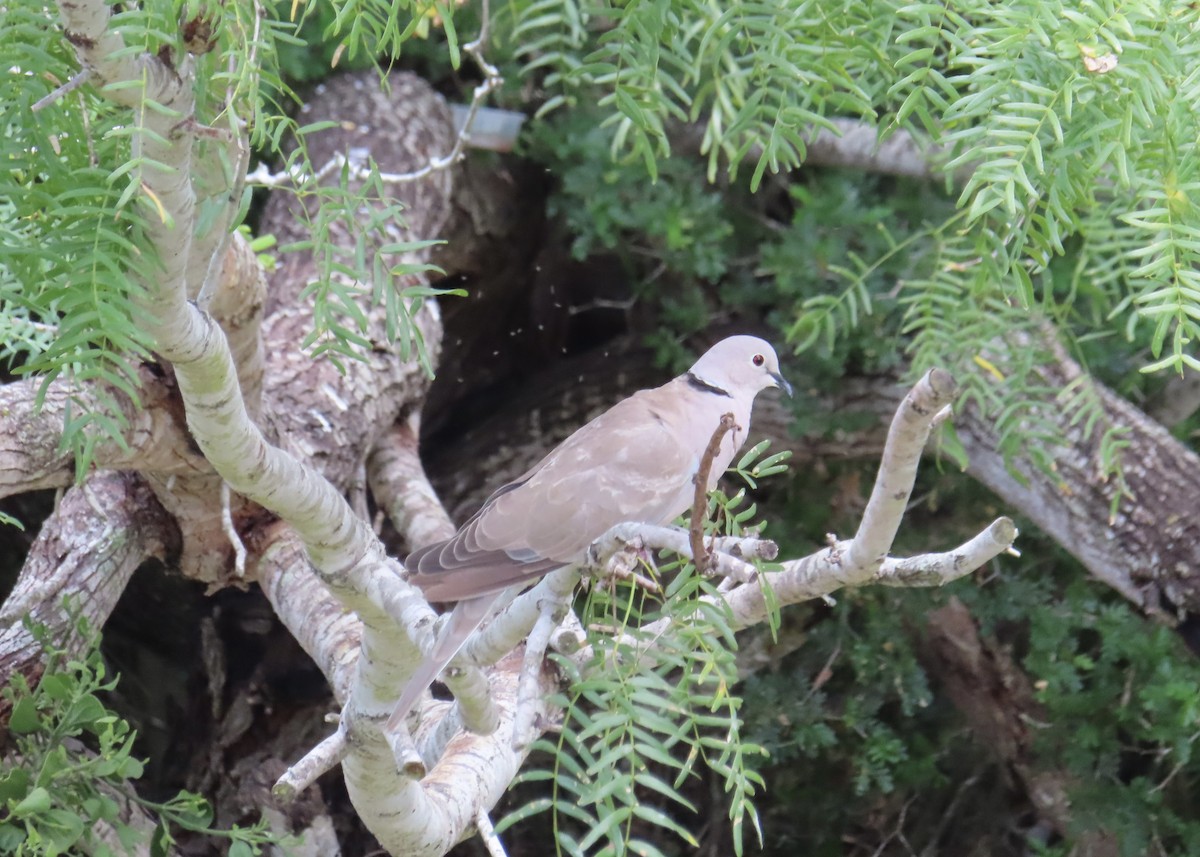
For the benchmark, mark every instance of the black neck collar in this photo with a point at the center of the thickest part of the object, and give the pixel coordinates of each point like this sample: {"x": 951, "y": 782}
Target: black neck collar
{"x": 698, "y": 383}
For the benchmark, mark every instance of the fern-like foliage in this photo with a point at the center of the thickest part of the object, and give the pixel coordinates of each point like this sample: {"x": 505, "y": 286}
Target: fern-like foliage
{"x": 74, "y": 255}
{"x": 71, "y": 251}
{"x": 639, "y": 721}
{"x": 1067, "y": 129}
{"x": 746, "y": 70}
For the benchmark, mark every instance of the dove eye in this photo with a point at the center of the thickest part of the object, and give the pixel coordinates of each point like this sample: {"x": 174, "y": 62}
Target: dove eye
{"x": 758, "y": 360}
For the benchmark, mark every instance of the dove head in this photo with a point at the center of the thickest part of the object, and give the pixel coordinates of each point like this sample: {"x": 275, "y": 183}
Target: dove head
{"x": 740, "y": 366}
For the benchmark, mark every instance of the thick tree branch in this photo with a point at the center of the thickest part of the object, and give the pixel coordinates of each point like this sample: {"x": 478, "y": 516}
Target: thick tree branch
{"x": 325, "y": 629}
{"x": 1178, "y": 399}
{"x": 30, "y": 435}
{"x": 103, "y": 53}
{"x": 346, "y": 554}
{"x": 399, "y": 484}
{"x": 100, "y": 533}
{"x": 856, "y": 145}
{"x": 1149, "y": 548}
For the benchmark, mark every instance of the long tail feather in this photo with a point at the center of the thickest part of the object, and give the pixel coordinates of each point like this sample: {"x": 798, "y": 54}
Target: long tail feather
{"x": 464, "y": 619}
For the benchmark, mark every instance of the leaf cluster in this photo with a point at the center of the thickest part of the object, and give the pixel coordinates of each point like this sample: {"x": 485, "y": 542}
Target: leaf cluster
{"x": 68, "y": 773}
{"x": 1067, "y": 130}
{"x": 68, "y": 244}
{"x": 74, "y": 207}
{"x": 749, "y": 74}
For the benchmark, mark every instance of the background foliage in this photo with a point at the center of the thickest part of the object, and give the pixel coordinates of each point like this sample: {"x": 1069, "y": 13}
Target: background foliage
{"x": 1066, "y": 134}
{"x": 75, "y": 768}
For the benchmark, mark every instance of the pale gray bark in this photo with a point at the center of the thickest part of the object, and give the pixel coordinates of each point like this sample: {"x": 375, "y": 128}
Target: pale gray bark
{"x": 99, "y": 534}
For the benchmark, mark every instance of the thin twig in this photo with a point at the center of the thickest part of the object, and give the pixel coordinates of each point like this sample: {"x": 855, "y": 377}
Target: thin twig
{"x": 495, "y": 848}
{"x": 949, "y": 814}
{"x": 700, "y": 502}
{"x": 77, "y": 80}
{"x": 321, "y": 758}
{"x": 231, "y": 533}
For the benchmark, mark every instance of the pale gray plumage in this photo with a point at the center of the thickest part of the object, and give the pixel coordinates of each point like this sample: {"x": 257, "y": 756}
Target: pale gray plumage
{"x": 635, "y": 462}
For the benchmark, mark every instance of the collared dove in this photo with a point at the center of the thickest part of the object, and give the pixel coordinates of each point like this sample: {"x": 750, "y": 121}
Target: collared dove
{"x": 634, "y": 462}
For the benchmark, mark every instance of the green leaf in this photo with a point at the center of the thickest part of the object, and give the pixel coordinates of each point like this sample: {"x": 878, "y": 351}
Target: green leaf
{"x": 130, "y": 837}
{"x": 13, "y": 785}
{"x": 660, "y": 819}
{"x": 131, "y": 769}
{"x": 161, "y": 841}
{"x": 524, "y": 812}
{"x": 67, "y": 827}
{"x": 11, "y": 837}
{"x": 25, "y": 719}
{"x": 37, "y": 801}
{"x": 57, "y": 686}
{"x": 86, "y": 712}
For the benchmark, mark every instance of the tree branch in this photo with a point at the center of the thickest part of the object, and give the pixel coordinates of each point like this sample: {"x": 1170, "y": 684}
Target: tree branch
{"x": 854, "y": 144}
{"x": 101, "y": 531}
{"x": 344, "y": 551}
{"x": 538, "y": 609}
{"x": 897, "y": 472}
{"x": 700, "y": 497}
{"x": 399, "y": 484}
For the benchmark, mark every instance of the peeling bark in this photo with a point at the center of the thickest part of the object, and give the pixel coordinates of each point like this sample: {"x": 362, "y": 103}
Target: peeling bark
{"x": 100, "y": 533}
{"x": 1149, "y": 551}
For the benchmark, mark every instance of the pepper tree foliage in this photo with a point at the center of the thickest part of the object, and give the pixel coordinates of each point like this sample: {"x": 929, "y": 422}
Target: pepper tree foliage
{"x": 1065, "y": 133}
{"x": 1066, "y": 137}
{"x": 72, "y": 202}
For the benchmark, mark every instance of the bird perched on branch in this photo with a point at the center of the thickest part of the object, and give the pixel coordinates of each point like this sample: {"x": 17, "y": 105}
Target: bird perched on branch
{"x": 635, "y": 462}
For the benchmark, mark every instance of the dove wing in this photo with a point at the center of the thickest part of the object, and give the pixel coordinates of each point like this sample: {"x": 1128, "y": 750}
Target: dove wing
{"x": 630, "y": 463}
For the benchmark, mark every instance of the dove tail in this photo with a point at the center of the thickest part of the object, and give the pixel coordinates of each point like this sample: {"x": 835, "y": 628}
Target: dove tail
{"x": 464, "y": 619}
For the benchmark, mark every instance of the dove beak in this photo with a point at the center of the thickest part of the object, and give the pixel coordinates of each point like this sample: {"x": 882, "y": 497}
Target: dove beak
{"x": 781, "y": 383}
